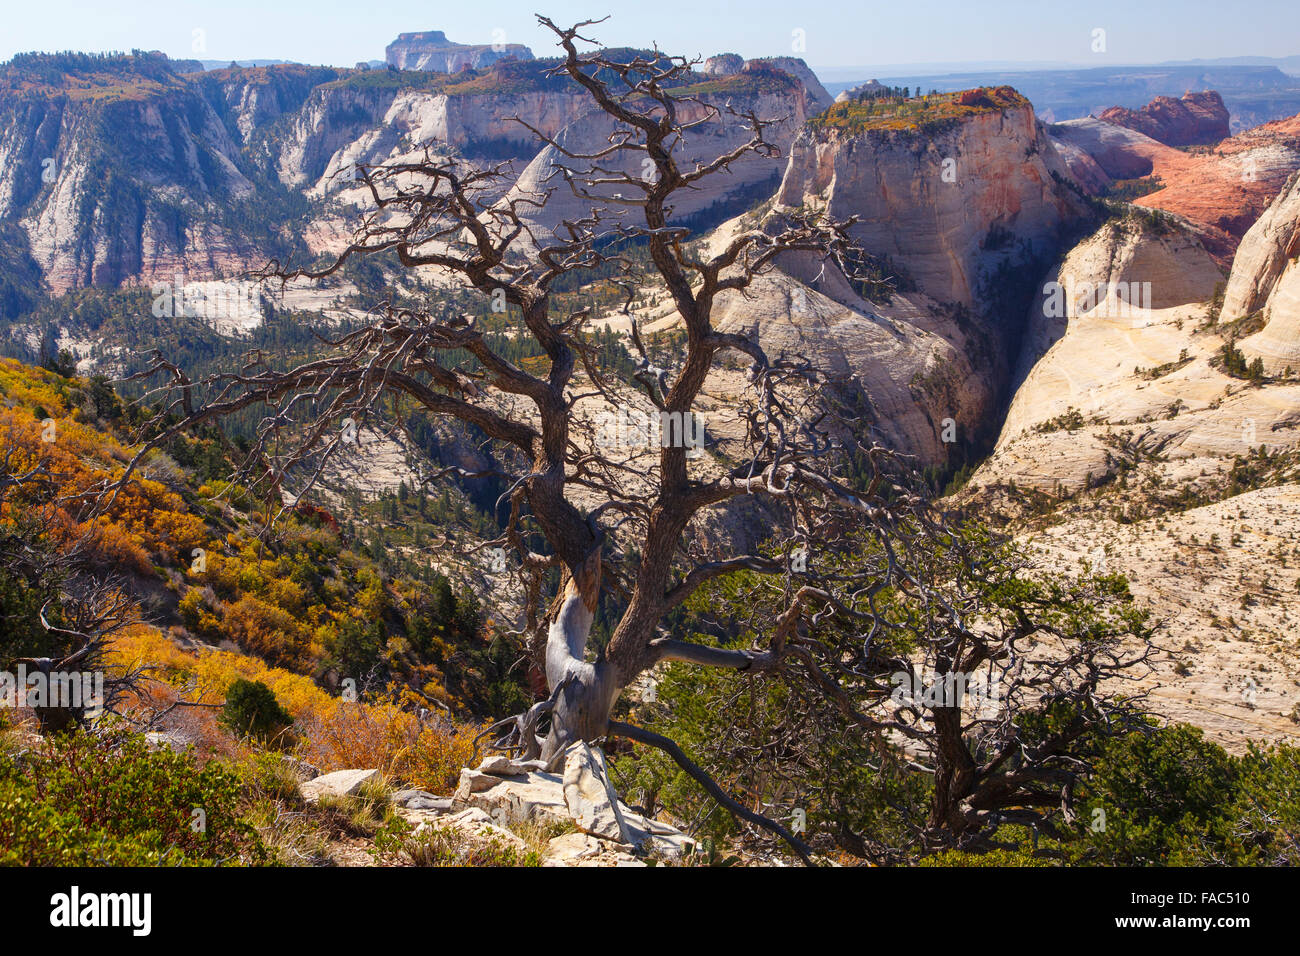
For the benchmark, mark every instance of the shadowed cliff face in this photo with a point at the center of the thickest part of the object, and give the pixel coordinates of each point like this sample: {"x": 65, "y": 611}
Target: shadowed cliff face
{"x": 125, "y": 170}
{"x": 910, "y": 364}
{"x": 121, "y": 186}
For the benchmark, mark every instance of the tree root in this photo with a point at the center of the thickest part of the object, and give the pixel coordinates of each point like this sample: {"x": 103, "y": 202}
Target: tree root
{"x": 522, "y": 739}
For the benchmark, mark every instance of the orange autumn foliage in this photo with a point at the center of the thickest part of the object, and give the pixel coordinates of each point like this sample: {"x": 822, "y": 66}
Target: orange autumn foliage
{"x": 284, "y": 603}
{"x": 147, "y": 522}
{"x": 335, "y": 734}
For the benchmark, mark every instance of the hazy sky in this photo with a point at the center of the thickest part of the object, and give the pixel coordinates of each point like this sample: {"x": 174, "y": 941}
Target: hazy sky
{"x": 838, "y": 33}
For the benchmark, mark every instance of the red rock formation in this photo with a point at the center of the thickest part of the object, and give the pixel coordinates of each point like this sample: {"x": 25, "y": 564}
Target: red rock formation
{"x": 1220, "y": 190}
{"x": 1198, "y": 119}
{"x": 1224, "y": 191}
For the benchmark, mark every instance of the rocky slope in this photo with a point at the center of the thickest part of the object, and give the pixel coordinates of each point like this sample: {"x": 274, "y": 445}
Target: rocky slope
{"x": 1108, "y": 357}
{"x": 1222, "y": 581}
{"x": 1128, "y": 268}
{"x": 479, "y": 127}
{"x": 1130, "y": 444}
{"x": 248, "y": 99}
{"x": 914, "y": 364}
{"x": 1197, "y": 119}
{"x": 334, "y": 116}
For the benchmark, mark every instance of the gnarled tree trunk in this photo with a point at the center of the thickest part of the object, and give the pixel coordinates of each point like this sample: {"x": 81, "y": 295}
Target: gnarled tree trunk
{"x": 583, "y": 691}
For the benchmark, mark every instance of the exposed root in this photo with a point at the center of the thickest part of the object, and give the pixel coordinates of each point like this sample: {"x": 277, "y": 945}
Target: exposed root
{"x": 649, "y": 737}
{"x": 522, "y": 739}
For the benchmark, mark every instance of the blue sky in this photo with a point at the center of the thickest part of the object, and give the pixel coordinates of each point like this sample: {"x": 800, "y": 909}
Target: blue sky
{"x": 838, "y": 33}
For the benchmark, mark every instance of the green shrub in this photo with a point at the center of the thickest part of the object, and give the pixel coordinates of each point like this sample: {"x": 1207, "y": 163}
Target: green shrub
{"x": 251, "y": 709}
{"x": 1164, "y": 797}
{"x": 82, "y": 800}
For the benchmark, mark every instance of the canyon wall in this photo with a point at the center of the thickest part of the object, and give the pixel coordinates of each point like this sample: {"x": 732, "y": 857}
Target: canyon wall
{"x": 1196, "y": 119}
{"x": 718, "y": 107}
{"x": 945, "y": 205}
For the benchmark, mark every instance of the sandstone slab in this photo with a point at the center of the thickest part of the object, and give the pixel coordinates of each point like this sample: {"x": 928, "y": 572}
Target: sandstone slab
{"x": 589, "y": 797}
{"x": 421, "y": 800}
{"x": 530, "y": 797}
{"x": 583, "y": 849}
{"x": 340, "y": 783}
{"x": 581, "y": 797}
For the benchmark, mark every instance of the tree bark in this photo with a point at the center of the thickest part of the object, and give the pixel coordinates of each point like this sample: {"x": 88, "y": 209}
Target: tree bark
{"x": 585, "y": 690}
{"x": 954, "y": 773}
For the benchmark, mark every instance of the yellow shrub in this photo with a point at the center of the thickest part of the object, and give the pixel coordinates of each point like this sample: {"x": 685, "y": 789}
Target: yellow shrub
{"x": 266, "y": 630}
{"x": 335, "y": 734}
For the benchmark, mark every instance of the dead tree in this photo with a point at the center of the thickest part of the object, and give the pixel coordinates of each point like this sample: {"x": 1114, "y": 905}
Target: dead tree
{"x": 70, "y": 609}
{"x": 443, "y": 214}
